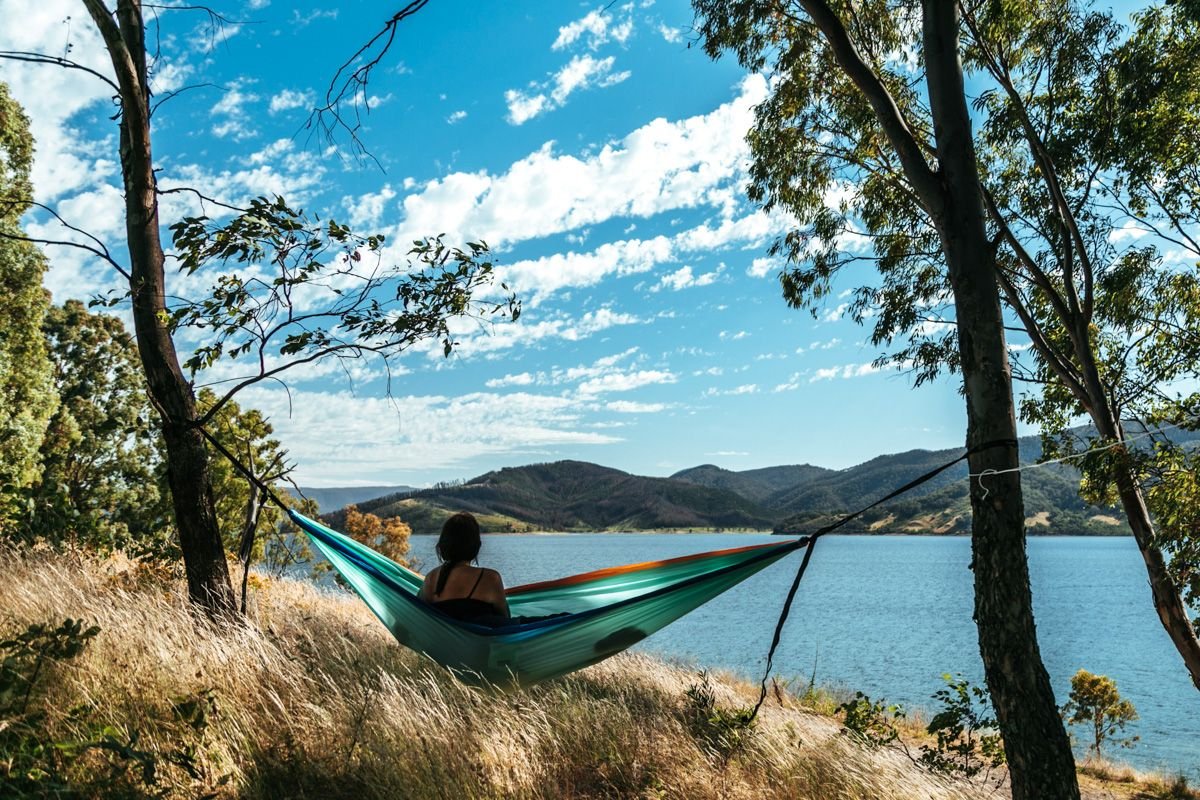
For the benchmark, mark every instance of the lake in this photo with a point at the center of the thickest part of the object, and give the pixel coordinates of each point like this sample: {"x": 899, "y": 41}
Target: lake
{"x": 889, "y": 615}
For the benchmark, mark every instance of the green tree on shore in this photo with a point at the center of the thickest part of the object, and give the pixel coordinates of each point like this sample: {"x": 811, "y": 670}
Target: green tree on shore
{"x": 101, "y": 462}
{"x": 868, "y": 120}
{"x": 26, "y": 395}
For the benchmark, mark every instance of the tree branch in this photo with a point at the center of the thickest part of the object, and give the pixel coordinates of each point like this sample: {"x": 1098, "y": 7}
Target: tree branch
{"x": 890, "y": 117}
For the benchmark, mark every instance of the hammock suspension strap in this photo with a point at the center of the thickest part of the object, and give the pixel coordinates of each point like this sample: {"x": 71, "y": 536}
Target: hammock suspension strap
{"x": 812, "y": 540}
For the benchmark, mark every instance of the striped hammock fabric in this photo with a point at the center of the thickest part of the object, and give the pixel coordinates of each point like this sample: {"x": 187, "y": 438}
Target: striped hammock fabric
{"x": 597, "y": 614}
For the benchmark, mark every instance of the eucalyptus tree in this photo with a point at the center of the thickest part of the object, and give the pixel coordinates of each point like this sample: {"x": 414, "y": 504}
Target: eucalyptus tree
{"x": 868, "y": 118}
{"x": 308, "y": 291}
{"x": 101, "y": 462}
{"x": 26, "y": 393}
{"x": 1088, "y": 137}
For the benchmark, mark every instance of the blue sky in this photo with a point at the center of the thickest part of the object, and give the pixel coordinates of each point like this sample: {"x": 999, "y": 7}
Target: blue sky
{"x": 599, "y": 155}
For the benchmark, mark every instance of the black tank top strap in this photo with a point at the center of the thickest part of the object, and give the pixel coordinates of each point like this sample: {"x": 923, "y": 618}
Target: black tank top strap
{"x": 476, "y": 586}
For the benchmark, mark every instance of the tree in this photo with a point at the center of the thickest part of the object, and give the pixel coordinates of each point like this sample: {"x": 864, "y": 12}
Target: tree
{"x": 387, "y": 536}
{"x": 26, "y": 397}
{"x": 1095, "y": 701}
{"x": 850, "y": 111}
{"x": 381, "y": 309}
{"x": 101, "y": 462}
{"x": 1083, "y": 135}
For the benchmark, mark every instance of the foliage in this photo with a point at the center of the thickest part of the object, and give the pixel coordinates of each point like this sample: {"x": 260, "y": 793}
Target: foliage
{"x": 101, "y": 458}
{"x": 721, "y": 732}
{"x": 26, "y": 392}
{"x": 870, "y": 722}
{"x": 965, "y": 738}
{"x": 331, "y": 294}
{"x": 1174, "y": 496}
{"x": 34, "y": 762}
{"x": 1095, "y": 701}
{"x": 386, "y": 536}
{"x": 249, "y": 436}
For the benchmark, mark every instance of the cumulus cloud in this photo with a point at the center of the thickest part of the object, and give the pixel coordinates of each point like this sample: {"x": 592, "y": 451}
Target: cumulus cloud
{"x": 456, "y": 117}
{"x": 231, "y": 118}
{"x": 658, "y": 167}
{"x": 581, "y": 72}
{"x": 595, "y": 29}
{"x": 367, "y": 210}
{"x": 625, "y": 381}
{"x": 683, "y": 278}
{"x": 289, "y": 99}
{"x": 844, "y": 372}
{"x": 761, "y": 267}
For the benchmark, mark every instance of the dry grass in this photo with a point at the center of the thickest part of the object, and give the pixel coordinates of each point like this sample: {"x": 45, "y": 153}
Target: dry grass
{"x": 313, "y": 699}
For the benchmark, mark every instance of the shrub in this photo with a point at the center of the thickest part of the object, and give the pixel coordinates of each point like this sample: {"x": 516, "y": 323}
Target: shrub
{"x": 965, "y": 739}
{"x": 871, "y": 723}
{"x": 1095, "y": 701}
{"x": 721, "y": 732}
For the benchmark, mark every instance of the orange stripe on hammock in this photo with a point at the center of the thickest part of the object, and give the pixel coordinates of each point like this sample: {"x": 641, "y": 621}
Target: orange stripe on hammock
{"x": 609, "y": 572}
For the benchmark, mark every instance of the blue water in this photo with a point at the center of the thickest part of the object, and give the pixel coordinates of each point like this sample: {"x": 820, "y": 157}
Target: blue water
{"x": 889, "y": 615}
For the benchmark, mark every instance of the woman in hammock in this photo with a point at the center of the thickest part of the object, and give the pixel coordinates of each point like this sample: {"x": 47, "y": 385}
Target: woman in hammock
{"x": 457, "y": 587}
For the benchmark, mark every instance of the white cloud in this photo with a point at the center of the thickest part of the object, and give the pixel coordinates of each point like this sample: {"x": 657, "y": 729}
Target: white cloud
{"x": 732, "y": 336}
{"x": 367, "y": 210}
{"x": 844, "y": 372}
{"x": 745, "y": 388}
{"x": 683, "y": 278}
{"x": 728, "y": 453}
{"x": 834, "y": 314}
{"x": 625, "y": 381}
{"x": 672, "y": 35}
{"x": 456, "y": 117}
{"x": 581, "y": 72}
{"x": 233, "y": 119}
{"x": 597, "y": 27}
{"x": 520, "y": 379}
{"x": 289, "y": 99}
{"x": 631, "y": 407}
{"x": 660, "y": 166}
{"x": 387, "y": 437}
{"x": 761, "y": 267}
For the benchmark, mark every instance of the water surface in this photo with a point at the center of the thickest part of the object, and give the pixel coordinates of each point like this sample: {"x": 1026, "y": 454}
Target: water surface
{"x": 888, "y": 615}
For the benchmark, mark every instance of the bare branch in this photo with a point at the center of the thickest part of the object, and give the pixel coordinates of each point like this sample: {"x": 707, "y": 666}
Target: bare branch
{"x": 99, "y": 249}
{"x": 349, "y": 84}
{"x": 58, "y": 61}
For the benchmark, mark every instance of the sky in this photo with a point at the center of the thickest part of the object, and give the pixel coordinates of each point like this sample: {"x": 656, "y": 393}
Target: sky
{"x": 600, "y": 154}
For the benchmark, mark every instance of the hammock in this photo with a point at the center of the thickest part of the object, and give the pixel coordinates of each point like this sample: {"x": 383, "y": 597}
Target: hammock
{"x": 596, "y": 614}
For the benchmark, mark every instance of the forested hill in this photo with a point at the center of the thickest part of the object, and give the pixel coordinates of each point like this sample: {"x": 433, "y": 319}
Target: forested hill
{"x": 577, "y": 496}
{"x": 334, "y": 498}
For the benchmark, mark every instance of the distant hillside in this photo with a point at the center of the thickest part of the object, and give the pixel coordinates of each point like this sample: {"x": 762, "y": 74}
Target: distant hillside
{"x": 576, "y": 495}
{"x": 759, "y": 485}
{"x": 334, "y": 498}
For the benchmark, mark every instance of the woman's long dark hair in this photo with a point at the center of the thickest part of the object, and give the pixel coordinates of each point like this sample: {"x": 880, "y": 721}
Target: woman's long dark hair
{"x": 459, "y": 542}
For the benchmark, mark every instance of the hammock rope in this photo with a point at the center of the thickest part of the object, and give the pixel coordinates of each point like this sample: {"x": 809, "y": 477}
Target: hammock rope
{"x": 812, "y": 541}
{"x": 338, "y": 547}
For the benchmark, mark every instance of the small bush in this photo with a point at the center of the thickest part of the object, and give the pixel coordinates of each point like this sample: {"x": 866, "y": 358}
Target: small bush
{"x": 721, "y": 732}
{"x": 1095, "y": 701}
{"x": 965, "y": 739}
{"x": 871, "y": 723}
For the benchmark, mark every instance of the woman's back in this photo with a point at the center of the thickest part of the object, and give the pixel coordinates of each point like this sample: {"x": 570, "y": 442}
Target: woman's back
{"x": 468, "y": 593}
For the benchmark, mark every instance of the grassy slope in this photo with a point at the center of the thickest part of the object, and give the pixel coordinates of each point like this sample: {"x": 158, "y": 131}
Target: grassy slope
{"x": 314, "y": 699}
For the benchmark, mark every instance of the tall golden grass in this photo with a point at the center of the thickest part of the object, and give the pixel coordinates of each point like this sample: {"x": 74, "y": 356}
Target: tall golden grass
{"x": 313, "y": 699}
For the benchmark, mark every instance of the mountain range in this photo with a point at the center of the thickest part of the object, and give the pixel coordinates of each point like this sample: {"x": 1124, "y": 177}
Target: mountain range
{"x": 580, "y": 496}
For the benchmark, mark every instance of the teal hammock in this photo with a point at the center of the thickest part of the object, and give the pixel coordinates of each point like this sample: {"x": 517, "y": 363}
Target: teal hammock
{"x": 596, "y": 614}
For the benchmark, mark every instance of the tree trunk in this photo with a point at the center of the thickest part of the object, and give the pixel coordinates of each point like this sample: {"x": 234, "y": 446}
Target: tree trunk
{"x": 209, "y": 585}
{"x": 1168, "y": 600}
{"x": 1041, "y": 765}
